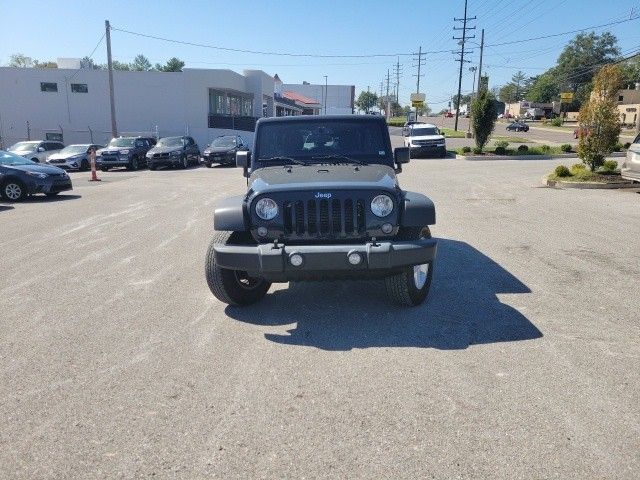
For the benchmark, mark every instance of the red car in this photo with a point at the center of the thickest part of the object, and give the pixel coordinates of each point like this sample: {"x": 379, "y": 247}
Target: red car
{"x": 448, "y": 115}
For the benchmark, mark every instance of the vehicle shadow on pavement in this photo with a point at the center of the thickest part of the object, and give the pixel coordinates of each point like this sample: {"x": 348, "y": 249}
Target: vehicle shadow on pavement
{"x": 462, "y": 309}
{"x": 6, "y": 207}
{"x": 57, "y": 198}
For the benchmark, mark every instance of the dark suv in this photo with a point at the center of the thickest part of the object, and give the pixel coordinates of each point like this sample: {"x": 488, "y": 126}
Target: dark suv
{"x": 129, "y": 152}
{"x": 173, "y": 152}
{"x": 223, "y": 150}
{"x": 323, "y": 202}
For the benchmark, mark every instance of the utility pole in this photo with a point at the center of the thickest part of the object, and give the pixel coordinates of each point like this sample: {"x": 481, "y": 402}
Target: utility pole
{"x": 387, "y": 104}
{"x": 368, "y": 96}
{"x": 114, "y": 128}
{"x": 480, "y": 65}
{"x": 397, "y": 73}
{"x": 462, "y": 42}
{"x": 419, "y": 55}
{"x": 325, "y": 94}
{"x": 473, "y": 93}
{"x": 381, "y": 91}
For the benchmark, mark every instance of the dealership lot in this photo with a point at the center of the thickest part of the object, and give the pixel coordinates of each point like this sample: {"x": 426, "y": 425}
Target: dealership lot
{"x": 523, "y": 363}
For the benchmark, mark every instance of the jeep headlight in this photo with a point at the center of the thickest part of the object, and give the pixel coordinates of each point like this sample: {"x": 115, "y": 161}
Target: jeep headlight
{"x": 124, "y": 152}
{"x": 382, "y": 205}
{"x": 266, "y": 208}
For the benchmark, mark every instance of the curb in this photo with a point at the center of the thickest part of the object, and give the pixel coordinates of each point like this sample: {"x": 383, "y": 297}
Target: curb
{"x": 475, "y": 158}
{"x": 588, "y": 185}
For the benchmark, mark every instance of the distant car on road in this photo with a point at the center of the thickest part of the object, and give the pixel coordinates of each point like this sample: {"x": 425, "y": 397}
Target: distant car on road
{"x": 631, "y": 166}
{"x": 73, "y": 157}
{"x": 129, "y": 152}
{"x": 425, "y": 139}
{"x": 20, "y": 177}
{"x": 223, "y": 150}
{"x": 518, "y": 127}
{"x": 173, "y": 152}
{"x": 448, "y": 115}
{"x": 36, "y": 150}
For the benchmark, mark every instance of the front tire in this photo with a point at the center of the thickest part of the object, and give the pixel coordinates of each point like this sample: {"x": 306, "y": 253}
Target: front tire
{"x": 14, "y": 191}
{"x": 233, "y": 287}
{"x": 411, "y": 286}
{"x": 133, "y": 164}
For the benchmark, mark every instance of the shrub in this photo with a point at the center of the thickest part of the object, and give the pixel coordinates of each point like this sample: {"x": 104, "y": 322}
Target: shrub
{"x": 545, "y": 148}
{"x": 502, "y": 143}
{"x": 466, "y": 149}
{"x": 566, "y": 148}
{"x": 523, "y": 148}
{"x": 617, "y": 147}
{"x": 483, "y": 118}
{"x": 500, "y": 151}
{"x": 626, "y": 145}
{"x": 578, "y": 167}
{"x": 477, "y": 150}
{"x": 556, "y": 122}
{"x": 610, "y": 165}
{"x": 562, "y": 171}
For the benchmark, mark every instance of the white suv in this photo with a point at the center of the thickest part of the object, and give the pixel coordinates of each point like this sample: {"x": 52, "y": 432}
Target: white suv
{"x": 36, "y": 150}
{"x": 631, "y": 167}
{"x": 424, "y": 139}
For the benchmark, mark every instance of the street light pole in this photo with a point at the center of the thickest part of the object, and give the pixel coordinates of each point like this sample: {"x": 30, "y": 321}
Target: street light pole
{"x": 325, "y": 94}
{"x": 473, "y": 93}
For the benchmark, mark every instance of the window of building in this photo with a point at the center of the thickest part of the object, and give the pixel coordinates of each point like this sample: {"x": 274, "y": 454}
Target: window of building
{"x": 79, "y": 88}
{"x": 48, "y": 87}
{"x": 620, "y": 98}
{"x": 230, "y": 103}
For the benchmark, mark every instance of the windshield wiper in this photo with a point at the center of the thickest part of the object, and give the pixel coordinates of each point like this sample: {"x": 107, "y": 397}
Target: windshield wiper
{"x": 282, "y": 159}
{"x": 338, "y": 158}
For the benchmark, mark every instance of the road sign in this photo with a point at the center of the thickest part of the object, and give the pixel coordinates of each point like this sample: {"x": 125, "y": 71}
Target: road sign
{"x": 417, "y": 103}
{"x": 566, "y": 97}
{"x": 418, "y": 97}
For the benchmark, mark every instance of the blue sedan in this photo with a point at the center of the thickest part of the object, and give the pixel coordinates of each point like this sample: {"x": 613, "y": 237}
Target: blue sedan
{"x": 20, "y": 178}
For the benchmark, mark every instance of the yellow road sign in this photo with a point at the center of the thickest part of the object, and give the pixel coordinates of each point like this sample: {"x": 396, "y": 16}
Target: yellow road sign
{"x": 566, "y": 97}
{"x": 417, "y": 103}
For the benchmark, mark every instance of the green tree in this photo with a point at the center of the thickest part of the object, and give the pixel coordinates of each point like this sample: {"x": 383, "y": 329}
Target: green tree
{"x": 45, "y": 64}
{"x": 89, "y": 64}
{"x": 631, "y": 70}
{"x": 141, "y": 64}
{"x": 581, "y": 58}
{"x": 464, "y": 99}
{"x": 120, "y": 66}
{"x": 19, "y": 60}
{"x": 544, "y": 89}
{"x": 598, "y": 119}
{"x": 173, "y": 65}
{"x": 507, "y": 93}
{"x": 483, "y": 118}
{"x": 366, "y": 100}
{"x": 519, "y": 81}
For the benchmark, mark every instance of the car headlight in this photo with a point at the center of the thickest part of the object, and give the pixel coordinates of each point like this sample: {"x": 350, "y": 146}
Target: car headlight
{"x": 124, "y": 152}
{"x": 207, "y": 152}
{"x": 266, "y": 208}
{"x": 176, "y": 152}
{"x": 382, "y": 205}
{"x": 37, "y": 174}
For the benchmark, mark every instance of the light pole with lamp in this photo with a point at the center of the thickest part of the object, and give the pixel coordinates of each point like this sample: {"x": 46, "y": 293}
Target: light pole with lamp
{"x": 325, "y": 94}
{"x": 473, "y": 93}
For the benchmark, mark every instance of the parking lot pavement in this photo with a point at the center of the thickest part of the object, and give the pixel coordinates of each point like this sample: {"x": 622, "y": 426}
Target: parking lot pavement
{"x": 116, "y": 361}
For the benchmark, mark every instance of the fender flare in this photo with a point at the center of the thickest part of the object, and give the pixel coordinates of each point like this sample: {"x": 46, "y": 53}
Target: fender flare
{"x": 418, "y": 210}
{"x": 228, "y": 215}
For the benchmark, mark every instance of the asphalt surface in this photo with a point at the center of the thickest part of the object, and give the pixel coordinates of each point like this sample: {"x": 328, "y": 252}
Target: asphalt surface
{"x": 117, "y": 362}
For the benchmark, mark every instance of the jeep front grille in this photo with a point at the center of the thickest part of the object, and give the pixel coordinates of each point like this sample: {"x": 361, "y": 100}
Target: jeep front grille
{"x": 324, "y": 218}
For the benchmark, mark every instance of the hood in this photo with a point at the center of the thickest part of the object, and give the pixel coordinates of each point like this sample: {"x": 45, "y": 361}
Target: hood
{"x": 313, "y": 177}
{"x": 64, "y": 156}
{"x": 427, "y": 137}
{"x": 22, "y": 153}
{"x": 113, "y": 149}
{"x": 164, "y": 149}
{"x": 38, "y": 167}
{"x": 220, "y": 149}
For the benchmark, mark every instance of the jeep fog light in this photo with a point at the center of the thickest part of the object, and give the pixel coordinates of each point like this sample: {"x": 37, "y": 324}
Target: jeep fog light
{"x": 387, "y": 228}
{"x": 382, "y": 205}
{"x": 354, "y": 258}
{"x": 296, "y": 259}
{"x": 266, "y": 209}
{"x": 262, "y": 231}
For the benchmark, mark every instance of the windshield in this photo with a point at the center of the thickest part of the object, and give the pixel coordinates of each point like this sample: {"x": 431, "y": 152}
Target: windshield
{"x": 420, "y": 132}
{"x": 23, "y": 146}
{"x": 170, "y": 142}
{"x": 121, "y": 142}
{"x": 7, "y": 158}
{"x": 224, "y": 142}
{"x": 75, "y": 149}
{"x": 321, "y": 140}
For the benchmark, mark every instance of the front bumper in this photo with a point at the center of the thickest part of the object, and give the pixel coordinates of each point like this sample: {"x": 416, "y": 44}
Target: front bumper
{"x": 324, "y": 261}
{"x": 220, "y": 158}
{"x": 427, "y": 149}
{"x": 66, "y": 164}
{"x": 112, "y": 162}
{"x": 49, "y": 185}
{"x": 630, "y": 174}
{"x": 164, "y": 161}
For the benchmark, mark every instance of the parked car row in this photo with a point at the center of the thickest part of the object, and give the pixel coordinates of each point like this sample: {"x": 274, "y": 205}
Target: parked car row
{"x": 21, "y": 177}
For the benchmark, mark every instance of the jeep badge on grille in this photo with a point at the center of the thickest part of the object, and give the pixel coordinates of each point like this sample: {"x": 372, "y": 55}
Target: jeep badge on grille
{"x": 323, "y": 195}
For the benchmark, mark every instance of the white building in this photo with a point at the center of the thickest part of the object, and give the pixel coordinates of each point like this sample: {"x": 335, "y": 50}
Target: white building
{"x": 339, "y": 98}
{"x": 74, "y": 103}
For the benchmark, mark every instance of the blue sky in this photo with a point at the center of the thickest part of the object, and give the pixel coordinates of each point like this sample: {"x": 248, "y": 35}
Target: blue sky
{"x": 72, "y": 28}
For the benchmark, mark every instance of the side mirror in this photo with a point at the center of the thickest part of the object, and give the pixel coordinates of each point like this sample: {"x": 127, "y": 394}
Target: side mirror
{"x": 40, "y": 149}
{"x": 401, "y": 155}
{"x": 243, "y": 160}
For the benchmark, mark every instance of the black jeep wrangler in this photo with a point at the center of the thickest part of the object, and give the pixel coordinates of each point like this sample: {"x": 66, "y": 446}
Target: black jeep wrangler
{"x": 323, "y": 203}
